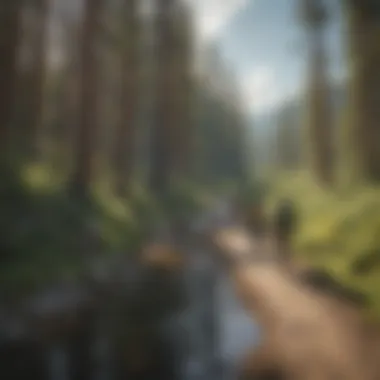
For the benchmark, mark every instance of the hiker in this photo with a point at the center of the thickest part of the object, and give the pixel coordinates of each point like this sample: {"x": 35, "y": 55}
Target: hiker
{"x": 284, "y": 226}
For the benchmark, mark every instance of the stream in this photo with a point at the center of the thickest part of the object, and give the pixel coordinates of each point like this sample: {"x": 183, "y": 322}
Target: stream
{"x": 205, "y": 339}
{"x": 220, "y": 330}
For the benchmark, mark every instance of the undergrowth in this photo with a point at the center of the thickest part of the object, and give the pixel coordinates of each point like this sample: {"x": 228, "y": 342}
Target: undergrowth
{"x": 48, "y": 234}
{"x": 339, "y": 231}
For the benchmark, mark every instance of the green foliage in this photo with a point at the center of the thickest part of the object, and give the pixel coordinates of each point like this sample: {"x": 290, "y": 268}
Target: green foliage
{"x": 185, "y": 200}
{"x": 339, "y": 231}
{"x": 46, "y": 234}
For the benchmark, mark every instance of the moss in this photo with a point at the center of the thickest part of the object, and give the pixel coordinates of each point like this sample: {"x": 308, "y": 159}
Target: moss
{"x": 339, "y": 231}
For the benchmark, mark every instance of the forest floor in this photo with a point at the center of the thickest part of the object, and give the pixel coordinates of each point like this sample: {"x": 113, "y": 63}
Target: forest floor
{"x": 311, "y": 334}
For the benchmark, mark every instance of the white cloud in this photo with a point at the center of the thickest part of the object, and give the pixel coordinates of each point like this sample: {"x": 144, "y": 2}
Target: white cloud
{"x": 212, "y": 15}
{"x": 261, "y": 89}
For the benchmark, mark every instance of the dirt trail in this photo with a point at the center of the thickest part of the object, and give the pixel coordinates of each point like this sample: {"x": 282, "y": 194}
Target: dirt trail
{"x": 313, "y": 335}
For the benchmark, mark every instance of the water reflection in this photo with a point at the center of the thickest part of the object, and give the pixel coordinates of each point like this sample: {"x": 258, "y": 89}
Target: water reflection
{"x": 204, "y": 340}
{"x": 219, "y": 330}
{"x": 58, "y": 368}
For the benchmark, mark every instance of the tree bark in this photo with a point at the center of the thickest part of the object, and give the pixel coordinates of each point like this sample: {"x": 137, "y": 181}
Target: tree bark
{"x": 87, "y": 129}
{"x": 161, "y": 134}
{"x": 126, "y": 133}
{"x": 171, "y": 137}
{"x": 10, "y": 27}
{"x": 320, "y": 125}
{"x": 37, "y": 77}
{"x": 364, "y": 86}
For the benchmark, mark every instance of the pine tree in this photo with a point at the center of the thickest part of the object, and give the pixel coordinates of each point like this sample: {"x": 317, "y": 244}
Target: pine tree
{"x": 35, "y": 84}
{"x": 364, "y": 85}
{"x": 87, "y": 128}
{"x": 161, "y": 138}
{"x": 288, "y": 141}
{"x": 130, "y": 75}
{"x": 183, "y": 96}
{"x": 10, "y": 27}
{"x": 319, "y": 121}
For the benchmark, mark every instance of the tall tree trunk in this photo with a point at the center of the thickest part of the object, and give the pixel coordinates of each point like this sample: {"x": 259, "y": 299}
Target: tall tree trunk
{"x": 364, "y": 86}
{"x": 87, "y": 129}
{"x": 320, "y": 122}
{"x": 182, "y": 61}
{"x": 288, "y": 142}
{"x": 66, "y": 101}
{"x": 240, "y": 149}
{"x": 126, "y": 136}
{"x": 10, "y": 27}
{"x": 161, "y": 134}
{"x": 172, "y": 136}
{"x": 319, "y": 113}
{"x": 37, "y": 77}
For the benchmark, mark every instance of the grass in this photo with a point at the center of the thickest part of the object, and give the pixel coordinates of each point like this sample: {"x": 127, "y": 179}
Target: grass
{"x": 339, "y": 231}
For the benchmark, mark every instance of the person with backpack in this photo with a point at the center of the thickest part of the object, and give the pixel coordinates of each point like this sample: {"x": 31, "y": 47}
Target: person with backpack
{"x": 284, "y": 227}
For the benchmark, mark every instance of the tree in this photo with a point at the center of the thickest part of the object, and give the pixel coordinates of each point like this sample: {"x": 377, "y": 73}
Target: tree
{"x": 288, "y": 140}
{"x": 161, "y": 137}
{"x": 220, "y": 133}
{"x": 87, "y": 128}
{"x": 10, "y": 26}
{"x": 126, "y": 136}
{"x": 319, "y": 121}
{"x": 183, "y": 96}
{"x": 64, "y": 99}
{"x": 364, "y": 85}
{"x": 37, "y": 74}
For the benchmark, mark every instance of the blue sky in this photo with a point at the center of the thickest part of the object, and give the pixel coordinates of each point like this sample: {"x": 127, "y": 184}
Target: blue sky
{"x": 264, "y": 43}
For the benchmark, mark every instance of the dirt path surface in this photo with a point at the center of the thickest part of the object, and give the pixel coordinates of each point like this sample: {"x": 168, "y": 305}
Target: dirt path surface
{"x": 313, "y": 335}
